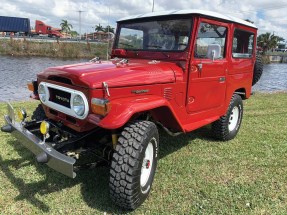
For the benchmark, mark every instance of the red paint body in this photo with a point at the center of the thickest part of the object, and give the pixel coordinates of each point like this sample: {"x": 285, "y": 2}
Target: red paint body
{"x": 177, "y": 94}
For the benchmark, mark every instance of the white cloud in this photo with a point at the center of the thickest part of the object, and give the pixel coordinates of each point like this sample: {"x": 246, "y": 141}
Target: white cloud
{"x": 268, "y": 16}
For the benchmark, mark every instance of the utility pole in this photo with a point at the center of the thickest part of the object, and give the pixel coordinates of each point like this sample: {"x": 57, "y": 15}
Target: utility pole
{"x": 108, "y": 33}
{"x": 152, "y": 6}
{"x": 80, "y": 21}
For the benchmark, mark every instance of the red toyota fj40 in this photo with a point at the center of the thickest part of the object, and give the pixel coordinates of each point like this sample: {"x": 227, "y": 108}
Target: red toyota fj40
{"x": 179, "y": 70}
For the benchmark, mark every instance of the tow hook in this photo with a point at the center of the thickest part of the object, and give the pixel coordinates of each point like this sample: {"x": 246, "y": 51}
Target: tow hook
{"x": 7, "y": 128}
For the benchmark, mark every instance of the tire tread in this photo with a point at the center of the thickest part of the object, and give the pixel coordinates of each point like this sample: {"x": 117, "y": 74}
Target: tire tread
{"x": 125, "y": 168}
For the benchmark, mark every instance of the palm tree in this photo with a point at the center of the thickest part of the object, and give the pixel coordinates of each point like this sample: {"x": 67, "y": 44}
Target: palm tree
{"x": 267, "y": 41}
{"x": 109, "y": 29}
{"x": 66, "y": 26}
{"x": 99, "y": 28}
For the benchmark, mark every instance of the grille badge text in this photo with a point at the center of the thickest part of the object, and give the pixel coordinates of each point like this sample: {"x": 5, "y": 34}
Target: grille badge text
{"x": 63, "y": 99}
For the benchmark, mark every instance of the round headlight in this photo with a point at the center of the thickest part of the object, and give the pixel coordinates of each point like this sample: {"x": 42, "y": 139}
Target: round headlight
{"x": 42, "y": 93}
{"x": 79, "y": 105}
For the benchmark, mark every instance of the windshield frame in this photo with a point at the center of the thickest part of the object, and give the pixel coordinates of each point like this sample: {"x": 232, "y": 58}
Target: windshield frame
{"x": 122, "y": 25}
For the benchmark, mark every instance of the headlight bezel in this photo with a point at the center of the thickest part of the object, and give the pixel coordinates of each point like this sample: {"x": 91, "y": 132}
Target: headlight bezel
{"x": 66, "y": 110}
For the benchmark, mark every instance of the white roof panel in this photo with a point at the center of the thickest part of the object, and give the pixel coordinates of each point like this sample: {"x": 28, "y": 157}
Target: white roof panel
{"x": 191, "y": 11}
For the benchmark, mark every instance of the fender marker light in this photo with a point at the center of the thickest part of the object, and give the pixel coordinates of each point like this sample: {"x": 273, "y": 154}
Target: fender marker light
{"x": 100, "y": 106}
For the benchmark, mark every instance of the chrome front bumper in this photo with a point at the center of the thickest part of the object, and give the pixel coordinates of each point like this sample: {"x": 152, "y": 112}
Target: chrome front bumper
{"x": 54, "y": 159}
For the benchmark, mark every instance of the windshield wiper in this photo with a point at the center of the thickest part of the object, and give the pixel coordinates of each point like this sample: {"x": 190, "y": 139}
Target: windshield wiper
{"x": 126, "y": 44}
{"x": 154, "y": 46}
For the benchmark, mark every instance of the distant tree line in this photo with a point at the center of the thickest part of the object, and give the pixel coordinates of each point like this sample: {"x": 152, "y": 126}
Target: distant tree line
{"x": 106, "y": 29}
{"x": 67, "y": 28}
{"x": 269, "y": 41}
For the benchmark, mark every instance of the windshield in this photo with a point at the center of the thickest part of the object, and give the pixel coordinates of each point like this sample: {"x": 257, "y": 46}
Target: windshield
{"x": 167, "y": 35}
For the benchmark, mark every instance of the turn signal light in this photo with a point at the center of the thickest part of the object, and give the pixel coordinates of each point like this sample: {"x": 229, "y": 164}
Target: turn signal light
{"x": 30, "y": 86}
{"x": 100, "y": 106}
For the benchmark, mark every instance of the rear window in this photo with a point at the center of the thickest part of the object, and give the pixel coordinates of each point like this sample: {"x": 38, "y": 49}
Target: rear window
{"x": 243, "y": 44}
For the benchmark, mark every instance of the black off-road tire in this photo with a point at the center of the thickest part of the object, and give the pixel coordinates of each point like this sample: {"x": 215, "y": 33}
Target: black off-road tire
{"x": 39, "y": 113}
{"x": 227, "y": 127}
{"x": 127, "y": 189}
{"x": 258, "y": 70}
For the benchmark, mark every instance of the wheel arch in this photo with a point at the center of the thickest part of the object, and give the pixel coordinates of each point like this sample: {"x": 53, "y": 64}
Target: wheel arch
{"x": 241, "y": 92}
{"x": 123, "y": 111}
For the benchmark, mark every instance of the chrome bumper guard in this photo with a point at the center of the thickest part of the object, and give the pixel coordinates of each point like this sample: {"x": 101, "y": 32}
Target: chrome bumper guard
{"x": 55, "y": 159}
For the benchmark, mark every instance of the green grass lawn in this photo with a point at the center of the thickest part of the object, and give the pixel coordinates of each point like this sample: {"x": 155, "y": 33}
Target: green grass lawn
{"x": 195, "y": 174}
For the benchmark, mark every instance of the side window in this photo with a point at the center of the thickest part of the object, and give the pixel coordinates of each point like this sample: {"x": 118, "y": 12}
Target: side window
{"x": 243, "y": 44}
{"x": 210, "y": 37}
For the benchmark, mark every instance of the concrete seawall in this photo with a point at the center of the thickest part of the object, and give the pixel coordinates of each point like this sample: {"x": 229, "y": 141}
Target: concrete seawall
{"x": 277, "y": 59}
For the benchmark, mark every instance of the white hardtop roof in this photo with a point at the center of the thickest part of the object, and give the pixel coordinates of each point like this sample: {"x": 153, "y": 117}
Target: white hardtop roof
{"x": 191, "y": 11}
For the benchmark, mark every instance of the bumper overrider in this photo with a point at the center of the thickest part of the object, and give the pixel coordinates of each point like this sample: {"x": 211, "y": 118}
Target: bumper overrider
{"x": 44, "y": 152}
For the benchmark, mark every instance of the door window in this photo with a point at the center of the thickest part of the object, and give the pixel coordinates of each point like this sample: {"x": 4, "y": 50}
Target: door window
{"x": 210, "y": 35}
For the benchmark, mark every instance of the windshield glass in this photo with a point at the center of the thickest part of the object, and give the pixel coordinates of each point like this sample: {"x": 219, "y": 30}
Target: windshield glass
{"x": 167, "y": 35}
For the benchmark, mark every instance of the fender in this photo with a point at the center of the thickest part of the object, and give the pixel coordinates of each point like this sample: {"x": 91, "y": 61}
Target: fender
{"x": 123, "y": 109}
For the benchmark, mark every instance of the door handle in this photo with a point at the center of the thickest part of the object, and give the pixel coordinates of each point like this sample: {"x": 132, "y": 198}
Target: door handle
{"x": 199, "y": 67}
{"x": 222, "y": 79}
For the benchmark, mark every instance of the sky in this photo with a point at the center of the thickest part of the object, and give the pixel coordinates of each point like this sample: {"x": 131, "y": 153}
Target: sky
{"x": 268, "y": 16}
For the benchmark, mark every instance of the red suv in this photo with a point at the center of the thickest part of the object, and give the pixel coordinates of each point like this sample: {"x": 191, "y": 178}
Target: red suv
{"x": 178, "y": 70}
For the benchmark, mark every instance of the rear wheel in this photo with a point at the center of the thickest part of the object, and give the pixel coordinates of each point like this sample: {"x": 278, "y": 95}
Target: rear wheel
{"x": 227, "y": 127}
{"x": 133, "y": 165}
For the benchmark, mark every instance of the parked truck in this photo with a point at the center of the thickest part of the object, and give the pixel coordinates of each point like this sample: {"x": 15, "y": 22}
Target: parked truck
{"x": 15, "y": 24}
{"x": 22, "y": 25}
{"x": 42, "y": 29}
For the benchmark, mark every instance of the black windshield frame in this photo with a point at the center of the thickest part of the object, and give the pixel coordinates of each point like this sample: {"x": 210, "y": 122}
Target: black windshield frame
{"x": 168, "y": 34}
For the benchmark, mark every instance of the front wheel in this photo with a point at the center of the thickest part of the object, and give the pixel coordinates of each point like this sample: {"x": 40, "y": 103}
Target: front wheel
{"x": 227, "y": 126}
{"x": 133, "y": 165}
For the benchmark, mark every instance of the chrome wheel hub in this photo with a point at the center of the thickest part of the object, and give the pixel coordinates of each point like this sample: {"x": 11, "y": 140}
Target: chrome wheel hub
{"x": 233, "y": 119}
{"x": 147, "y": 165}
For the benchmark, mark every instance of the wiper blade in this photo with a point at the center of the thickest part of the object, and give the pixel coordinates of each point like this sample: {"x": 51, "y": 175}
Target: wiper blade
{"x": 154, "y": 46}
{"x": 126, "y": 44}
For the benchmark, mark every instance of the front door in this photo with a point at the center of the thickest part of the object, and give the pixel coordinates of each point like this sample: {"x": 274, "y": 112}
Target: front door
{"x": 207, "y": 78}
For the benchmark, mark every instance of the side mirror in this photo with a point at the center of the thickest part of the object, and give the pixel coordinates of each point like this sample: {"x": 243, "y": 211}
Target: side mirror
{"x": 213, "y": 51}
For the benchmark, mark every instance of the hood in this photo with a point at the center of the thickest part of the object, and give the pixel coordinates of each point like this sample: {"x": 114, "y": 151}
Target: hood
{"x": 115, "y": 74}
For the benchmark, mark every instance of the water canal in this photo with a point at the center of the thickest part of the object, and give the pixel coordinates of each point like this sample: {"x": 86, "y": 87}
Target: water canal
{"x": 16, "y": 71}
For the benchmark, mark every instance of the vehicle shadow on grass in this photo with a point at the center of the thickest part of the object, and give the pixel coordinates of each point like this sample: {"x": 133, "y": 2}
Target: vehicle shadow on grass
{"x": 94, "y": 182}
{"x": 170, "y": 144}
